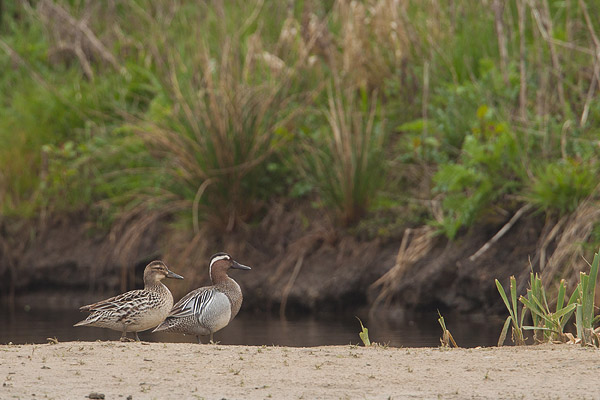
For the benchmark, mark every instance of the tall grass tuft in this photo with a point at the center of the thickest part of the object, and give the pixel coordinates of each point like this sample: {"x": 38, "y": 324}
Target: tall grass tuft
{"x": 345, "y": 159}
{"x": 213, "y": 127}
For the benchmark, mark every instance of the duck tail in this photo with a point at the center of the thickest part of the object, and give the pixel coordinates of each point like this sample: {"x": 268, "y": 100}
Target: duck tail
{"x": 163, "y": 326}
{"x": 91, "y": 319}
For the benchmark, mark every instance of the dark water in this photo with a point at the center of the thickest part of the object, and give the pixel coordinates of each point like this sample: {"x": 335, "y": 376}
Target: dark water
{"x": 418, "y": 330}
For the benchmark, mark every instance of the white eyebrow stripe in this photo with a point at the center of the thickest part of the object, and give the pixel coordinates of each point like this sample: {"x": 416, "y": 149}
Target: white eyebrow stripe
{"x": 223, "y": 257}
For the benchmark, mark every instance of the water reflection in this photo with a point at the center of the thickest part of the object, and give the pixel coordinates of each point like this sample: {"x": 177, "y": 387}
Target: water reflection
{"x": 419, "y": 330}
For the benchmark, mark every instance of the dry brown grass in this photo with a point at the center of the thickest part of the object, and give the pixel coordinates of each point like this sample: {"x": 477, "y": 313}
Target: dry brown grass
{"x": 416, "y": 243}
{"x": 568, "y": 235}
{"x": 373, "y": 43}
{"x": 346, "y": 160}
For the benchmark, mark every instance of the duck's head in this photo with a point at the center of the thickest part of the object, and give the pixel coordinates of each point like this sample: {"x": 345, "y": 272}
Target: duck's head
{"x": 220, "y": 264}
{"x": 158, "y": 270}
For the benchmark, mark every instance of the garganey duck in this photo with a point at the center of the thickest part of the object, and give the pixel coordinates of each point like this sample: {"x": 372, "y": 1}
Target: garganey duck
{"x": 136, "y": 310}
{"x": 206, "y": 310}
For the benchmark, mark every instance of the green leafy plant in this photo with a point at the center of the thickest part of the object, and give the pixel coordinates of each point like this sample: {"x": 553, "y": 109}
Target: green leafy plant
{"x": 547, "y": 325}
{"x": 513, "y": 311}
{"x": 486, "y": 171}
{"x": 584, "y": 314}
{"x": 561, "y": 185}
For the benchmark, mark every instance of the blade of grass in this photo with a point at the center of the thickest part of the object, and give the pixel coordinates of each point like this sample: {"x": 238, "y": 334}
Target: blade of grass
{"x": 560, "y": 300}
{"x": 504, "y": 297}
{"x": 504, "y": 332}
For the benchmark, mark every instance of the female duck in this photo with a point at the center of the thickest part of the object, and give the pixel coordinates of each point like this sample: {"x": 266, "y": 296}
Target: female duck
{"x": 136, "y": 310}
{"x": 207, "y": 309}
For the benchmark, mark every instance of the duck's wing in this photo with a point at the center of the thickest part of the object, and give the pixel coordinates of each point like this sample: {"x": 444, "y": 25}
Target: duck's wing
{"x": 194, "y": 303}
{"x": 127, "y": 300}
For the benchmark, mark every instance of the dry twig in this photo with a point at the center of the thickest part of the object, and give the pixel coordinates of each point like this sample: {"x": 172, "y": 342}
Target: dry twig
{"x": 500, "y": 233}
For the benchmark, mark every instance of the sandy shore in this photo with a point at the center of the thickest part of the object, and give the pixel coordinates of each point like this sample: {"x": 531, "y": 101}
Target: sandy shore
{"x": 74, "y": 370}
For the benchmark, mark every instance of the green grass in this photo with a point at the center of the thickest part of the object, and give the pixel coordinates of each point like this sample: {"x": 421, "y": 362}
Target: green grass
{"x": 585, "y": 318}
{"x": 561, "y": 186}
{"x": 549, "y": 326}
{"x": 211, "y": 111}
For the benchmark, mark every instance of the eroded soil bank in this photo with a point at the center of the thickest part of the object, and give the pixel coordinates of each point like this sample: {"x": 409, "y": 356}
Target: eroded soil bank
{"x": 298, "y": 260}
{"x": 74, "y": 370}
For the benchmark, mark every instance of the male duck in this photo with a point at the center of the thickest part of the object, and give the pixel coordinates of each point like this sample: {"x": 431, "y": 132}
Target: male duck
{"x": 206, "y": 310}
{"x": 136, "y": 310}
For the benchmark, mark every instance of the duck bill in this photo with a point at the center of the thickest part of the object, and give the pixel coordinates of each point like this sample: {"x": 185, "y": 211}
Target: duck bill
{"x": 237, "y": 265}
{"x": 173, "y": 275}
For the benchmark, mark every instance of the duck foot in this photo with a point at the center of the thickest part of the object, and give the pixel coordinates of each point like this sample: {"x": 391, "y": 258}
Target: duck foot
{"x": 124, "y": 337}
{"x": 211, "y": 339}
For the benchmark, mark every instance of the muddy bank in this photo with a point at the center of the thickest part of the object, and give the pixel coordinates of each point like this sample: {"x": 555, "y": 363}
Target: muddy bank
{"x": 298, "y": 259}
{"x": 183, "y": 370}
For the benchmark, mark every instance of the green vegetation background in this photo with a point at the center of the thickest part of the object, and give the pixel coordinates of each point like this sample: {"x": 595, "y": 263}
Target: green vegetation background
{"x": 382, "y": 112}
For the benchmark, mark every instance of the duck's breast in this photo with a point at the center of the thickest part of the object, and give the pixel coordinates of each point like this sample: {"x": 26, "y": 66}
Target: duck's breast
{"x": 216, "y": 313}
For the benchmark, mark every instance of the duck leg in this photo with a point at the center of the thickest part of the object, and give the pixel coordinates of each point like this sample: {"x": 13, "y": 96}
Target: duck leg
{"x": 137, "y": 338}
{"x": 211, "y": 338}
{"x": 198, "y": 337}
{"x": 124, "y": 336}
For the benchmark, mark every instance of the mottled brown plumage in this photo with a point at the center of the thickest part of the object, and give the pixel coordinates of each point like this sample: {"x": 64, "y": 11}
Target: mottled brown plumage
{"x": 136, "y": 310}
